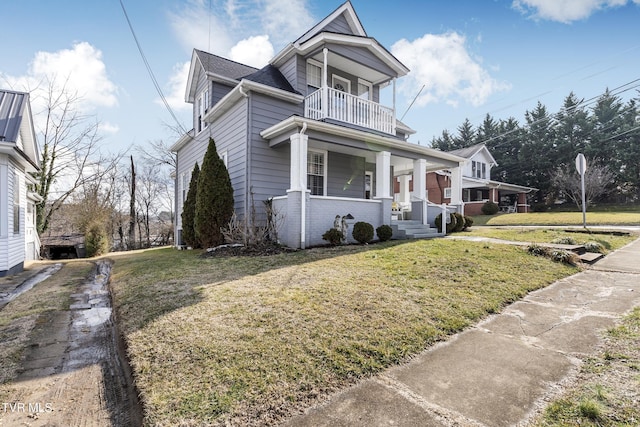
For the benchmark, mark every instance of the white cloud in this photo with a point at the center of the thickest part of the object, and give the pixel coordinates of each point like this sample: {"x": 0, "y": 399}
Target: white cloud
{"x": 79, "y": 71}
{"x": 107, "y": 127}
{"x": 442, "y": 63}
{"x": 565, "y": 11}
{"x": 219, "y": 27}
{"x": 177, "y": 84}
{"x": 254, "y": 51}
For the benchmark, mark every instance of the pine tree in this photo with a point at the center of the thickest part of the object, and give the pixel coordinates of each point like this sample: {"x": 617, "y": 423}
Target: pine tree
{"x": 214, "y": 199}
{"x": 189, "y": 211}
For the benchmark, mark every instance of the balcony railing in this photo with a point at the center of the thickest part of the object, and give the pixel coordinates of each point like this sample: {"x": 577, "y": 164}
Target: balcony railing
{"x": 350, "y": 109}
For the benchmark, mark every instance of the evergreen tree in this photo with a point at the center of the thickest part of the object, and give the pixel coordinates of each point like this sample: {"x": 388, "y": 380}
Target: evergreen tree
{"x": 189, "y": 211}
{"x": 536, "y": 154}
{"x": 214, "y": 199}
{"x": 628, "y": 151}
{"x": 573, "y": 129}
{"x": 505, "y": 148}
{"x": 466, "y": 135}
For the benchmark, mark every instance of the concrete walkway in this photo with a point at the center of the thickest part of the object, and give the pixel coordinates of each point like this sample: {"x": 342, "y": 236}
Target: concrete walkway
{"x": 499, "y": 372}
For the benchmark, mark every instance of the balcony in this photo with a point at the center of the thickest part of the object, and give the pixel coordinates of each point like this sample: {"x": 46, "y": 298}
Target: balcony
{"x": 347, "y": 108}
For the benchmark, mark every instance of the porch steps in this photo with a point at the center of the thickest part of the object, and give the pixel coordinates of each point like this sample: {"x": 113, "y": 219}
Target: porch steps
{"x": 412, "y": 230}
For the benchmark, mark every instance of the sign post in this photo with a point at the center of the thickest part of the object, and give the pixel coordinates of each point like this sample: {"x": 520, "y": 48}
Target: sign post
{"x": 581, "y": 166}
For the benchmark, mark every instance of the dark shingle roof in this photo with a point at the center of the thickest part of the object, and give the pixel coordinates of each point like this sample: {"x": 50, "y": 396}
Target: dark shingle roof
{"x": 467, "y": 152}
{"x": 271, "y": 76}
{"x": 222, "y": 66}
{"x": 11, "y": 110}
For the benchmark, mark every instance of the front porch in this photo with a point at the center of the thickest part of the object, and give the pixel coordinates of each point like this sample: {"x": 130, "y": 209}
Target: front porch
{"x": 341, "y": 172}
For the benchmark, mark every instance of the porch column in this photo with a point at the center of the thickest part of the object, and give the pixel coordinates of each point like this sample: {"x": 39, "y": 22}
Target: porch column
{"x": 383, "y": 185}
{"x": 383, "y": 175}
{"x": 325, "y": 89}
{"x": 296, "y": 220}
{"x": 456, "y": 187}
{"x": 523, "y": 206}
{"x": 298, "y": 173}
{"x": 405, "y": 194}
{"x": 420, "y": 190}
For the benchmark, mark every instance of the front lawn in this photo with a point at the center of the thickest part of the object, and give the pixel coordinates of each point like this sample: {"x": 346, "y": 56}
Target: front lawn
{"x": 535, "y": 235}
{"x": 560, "y": 218}
{"x": 249, "y": 341}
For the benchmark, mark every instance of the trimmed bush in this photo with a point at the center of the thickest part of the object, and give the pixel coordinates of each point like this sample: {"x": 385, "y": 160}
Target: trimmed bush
{"x": 333, "y": 236}
{"x": 384, "y": 232}
{"x": 490, "y": 208}
{"x": 564, "y": 241}
{"x": 459, "y": 222}
{"x": 96, "y": 240}
{"x": 450, "y": 226}
{"x": 189, "y": 211}
{"x": 214, "y": 199}
{"x": 362, "y": 232}
{"x": 468, "y": 222}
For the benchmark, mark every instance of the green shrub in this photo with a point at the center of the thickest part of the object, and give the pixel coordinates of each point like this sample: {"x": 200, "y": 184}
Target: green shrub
{"x": 564, "y": 241}
{"x": 539, "y": 207}
{"x": 450, "y": 226}
{"x": 333, "y": 236}
{"x": 459, "y": 222}
{"x": 96, "y": 240}
{"x": 189, "y": 211}
{"x": 214, "y": 199}
{"x": 594, "y": 247}
{"x": 362, "y": 232}
{"x": 468, "y": 222}
{"x": 384, "y": 232}
{"x": 490, "y": 208}
{"x": 538, "y": 250}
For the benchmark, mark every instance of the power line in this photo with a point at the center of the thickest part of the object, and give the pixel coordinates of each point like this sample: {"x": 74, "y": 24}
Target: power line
{"x": 150, "y": 71}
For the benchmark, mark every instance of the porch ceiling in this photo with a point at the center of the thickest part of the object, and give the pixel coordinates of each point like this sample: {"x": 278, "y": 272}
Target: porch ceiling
{"x": 345, "y": 140}
{"x": 355, "y": 68}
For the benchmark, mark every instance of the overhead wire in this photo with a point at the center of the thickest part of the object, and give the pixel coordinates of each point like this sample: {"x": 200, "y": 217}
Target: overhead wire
{"x": 150, "y": 71}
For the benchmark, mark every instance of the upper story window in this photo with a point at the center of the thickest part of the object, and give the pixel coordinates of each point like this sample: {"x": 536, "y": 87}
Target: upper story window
{"x": 314, "y": 76}
{"x": 16, "y": 203}
{"x": 365, "y": 90}
{"x": 316, "y": 172}
{"x": 203, "y": 107}
{"x": 478, "y": 169}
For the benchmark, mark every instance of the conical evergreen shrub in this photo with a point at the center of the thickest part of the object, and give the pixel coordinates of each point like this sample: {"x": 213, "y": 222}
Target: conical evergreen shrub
{"x": 189, "y": 211}
{"x": 214, "y": 199}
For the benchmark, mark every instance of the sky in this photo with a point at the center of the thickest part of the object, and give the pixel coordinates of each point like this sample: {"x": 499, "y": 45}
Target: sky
{"x": 468, "y": 58}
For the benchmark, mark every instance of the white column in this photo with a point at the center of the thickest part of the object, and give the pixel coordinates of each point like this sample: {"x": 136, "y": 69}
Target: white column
{"x": 298, "y": 177}
{"x": 383, "y": 175}
{"x": 419, "y": 179}
{"x": 456, "y": 185}
{"x": 325, "y": 89}
{"x": 405, "y": 195}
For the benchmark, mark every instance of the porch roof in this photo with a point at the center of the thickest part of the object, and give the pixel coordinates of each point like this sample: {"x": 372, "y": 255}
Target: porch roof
{"x": 355, "y": 139}
{"x": 468, "y": 182}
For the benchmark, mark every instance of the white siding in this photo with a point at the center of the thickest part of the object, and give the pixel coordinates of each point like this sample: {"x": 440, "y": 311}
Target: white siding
{"x": 4, "y": 213}
{"x": 15, "y": 241}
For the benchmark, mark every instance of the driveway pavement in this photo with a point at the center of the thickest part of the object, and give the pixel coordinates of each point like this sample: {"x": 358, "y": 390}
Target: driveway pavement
{"x": 499, "y": 372}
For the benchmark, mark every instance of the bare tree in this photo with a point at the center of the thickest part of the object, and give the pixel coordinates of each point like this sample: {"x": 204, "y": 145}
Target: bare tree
{"x": 597, "y": 180}
{"x": 132, "y": 207}
{"x": 70, "y": 157}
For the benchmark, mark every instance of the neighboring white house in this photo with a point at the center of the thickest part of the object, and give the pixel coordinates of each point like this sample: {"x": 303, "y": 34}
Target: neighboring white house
{"x": 19, "y": 158}
{"x": 477, "y": 185}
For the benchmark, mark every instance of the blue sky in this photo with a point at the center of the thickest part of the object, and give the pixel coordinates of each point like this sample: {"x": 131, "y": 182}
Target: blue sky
{"x": 474, "y": 56}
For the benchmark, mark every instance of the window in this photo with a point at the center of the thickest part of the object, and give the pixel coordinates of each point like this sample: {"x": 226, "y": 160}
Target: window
{"x": 478, "y": 170}
{"x": 203, "y": 107}
{"x": 365, "y": 89}
{"x": 316, "y": 172}
{"x": 341, "y": 84}
{"x": 314, "y": 76}
{"x": 185, "y": 187}
{"x": 447, "y": 193}
{"x": 16, "y": 203}
{"x": 225, "y": 159}
{"x": 368, "y": 185}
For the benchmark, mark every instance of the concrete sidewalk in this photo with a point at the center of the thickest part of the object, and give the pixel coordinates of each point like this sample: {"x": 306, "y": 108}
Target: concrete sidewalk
{"x": 499, "y": 372}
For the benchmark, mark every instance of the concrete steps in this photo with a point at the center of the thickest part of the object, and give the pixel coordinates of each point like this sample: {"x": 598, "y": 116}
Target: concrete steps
{"x": 410, "y": 229}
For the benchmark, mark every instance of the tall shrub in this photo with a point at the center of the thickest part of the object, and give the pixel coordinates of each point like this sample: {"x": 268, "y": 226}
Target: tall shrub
{"x": 96, "y": 241}
{"x": 189, "y": 211}
{"x": 214, "y": 199}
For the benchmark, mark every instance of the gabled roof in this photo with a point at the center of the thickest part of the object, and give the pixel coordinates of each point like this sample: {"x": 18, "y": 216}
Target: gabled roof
{"x": 342, "y": 27}
{"x": 17, "y": 135}
{"x": 344, "y": 11}
{"x": 469, "y": 152}
{"x": 217, "y": 68}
